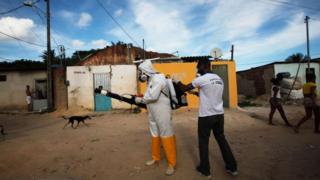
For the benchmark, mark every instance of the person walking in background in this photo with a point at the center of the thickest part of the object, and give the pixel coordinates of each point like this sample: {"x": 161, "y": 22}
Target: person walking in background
{"x": 275, "y": 101}
{"x": 210, "y": 118}
{"x": 310, "y": 105}
{"x": 28, "y": 98}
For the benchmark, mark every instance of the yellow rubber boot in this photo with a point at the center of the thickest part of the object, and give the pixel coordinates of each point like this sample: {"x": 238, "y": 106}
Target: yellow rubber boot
{"x": 169, "y": 145}
{"x": 155, "y": 148}
{"x": 155, "y": 151}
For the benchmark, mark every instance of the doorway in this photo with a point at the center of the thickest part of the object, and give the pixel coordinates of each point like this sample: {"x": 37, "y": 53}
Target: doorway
{"x": 102, "y": 102}
{"x": 222, "y": 71}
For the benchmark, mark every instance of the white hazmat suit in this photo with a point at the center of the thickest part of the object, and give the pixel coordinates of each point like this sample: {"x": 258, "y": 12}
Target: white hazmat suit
{"x": 157, "y": 100}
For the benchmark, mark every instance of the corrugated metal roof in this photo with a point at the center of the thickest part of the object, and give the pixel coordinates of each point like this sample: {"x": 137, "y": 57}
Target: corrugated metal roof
{"x": 183, "y": 59}
{"x": 195, "y": 58}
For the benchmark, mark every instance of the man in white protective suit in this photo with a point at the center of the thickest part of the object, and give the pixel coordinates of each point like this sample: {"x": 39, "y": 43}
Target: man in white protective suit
{"x": 157, "y": 100}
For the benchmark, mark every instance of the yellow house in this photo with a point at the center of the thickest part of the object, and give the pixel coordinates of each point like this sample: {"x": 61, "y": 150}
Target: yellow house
{"x": 186, "y": 72}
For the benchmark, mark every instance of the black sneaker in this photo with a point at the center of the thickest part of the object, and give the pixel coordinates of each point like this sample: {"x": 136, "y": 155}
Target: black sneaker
{"x": 203, "y": 173}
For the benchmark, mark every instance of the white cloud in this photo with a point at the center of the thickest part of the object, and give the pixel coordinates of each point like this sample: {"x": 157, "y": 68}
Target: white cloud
{"x": 161, "y": 25}
{"x": 201, "y": 2}
{"x": 84, "y": 20}
{"x": 77, "y": 44}
{"x": 80, "y": 20}
{"x": 246, "y": 26}
{"x": 67, "y": 15}
{"x": 168, "y": 26}
{"x": 100, "y": 43}
{"x": 193, "y": 27}
{"x": 17, "y": 27}
{"x": 289, "y": 37}
{"x": 230, "y": 21}
{"x": 118, "y": 13}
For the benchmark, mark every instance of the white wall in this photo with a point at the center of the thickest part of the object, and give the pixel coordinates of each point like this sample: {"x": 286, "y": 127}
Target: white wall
{"x": 13, "y": 95}
{"x": 123, "y": 81}
{"x": 81, "y": 87}
{"x": 293, "y": 67}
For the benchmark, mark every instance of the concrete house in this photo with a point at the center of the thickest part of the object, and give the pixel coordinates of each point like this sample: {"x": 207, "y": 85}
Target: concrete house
{"x": 82, "y": 80}
{"x": 256, "y": 81}
{"x": 13, "y": 82}
{"x": 113, "y": 69}
{"x": 185, "y": 69}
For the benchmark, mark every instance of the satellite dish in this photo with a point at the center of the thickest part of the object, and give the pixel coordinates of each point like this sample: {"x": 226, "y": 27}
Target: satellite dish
{"x": 216, "y": 53}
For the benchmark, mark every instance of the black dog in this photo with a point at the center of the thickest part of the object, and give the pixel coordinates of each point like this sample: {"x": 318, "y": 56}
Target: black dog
{"x": 2, "y": 130}
{"x": 72, "y": 119}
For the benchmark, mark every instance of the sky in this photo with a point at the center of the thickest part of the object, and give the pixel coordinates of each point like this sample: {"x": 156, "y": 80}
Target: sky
{"x": 262, "y": 31}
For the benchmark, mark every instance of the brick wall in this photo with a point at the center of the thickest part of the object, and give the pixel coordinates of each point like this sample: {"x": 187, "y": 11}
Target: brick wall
{"x": 60, "y": 89}
{"x": 255, "y": 82}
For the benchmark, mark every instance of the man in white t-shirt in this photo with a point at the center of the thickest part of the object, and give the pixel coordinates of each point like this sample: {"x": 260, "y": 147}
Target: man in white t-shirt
{"x": 211, "y": 117}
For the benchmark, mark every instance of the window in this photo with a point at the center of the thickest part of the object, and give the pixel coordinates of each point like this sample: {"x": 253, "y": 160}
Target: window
{"x": 3, "y": 78}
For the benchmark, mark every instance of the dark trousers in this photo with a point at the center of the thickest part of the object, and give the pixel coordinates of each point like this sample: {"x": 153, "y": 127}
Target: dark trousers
{"x": 216, "y": 124}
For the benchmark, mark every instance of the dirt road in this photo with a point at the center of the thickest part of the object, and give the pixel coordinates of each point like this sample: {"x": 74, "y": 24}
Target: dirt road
{"x": 116, "y": 145}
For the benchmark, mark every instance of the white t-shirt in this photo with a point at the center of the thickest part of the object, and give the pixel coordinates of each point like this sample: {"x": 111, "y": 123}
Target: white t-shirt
{"x": 210, "y": 91}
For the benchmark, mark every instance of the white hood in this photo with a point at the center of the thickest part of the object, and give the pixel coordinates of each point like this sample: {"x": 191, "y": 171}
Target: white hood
{"x": 147, "y": 67}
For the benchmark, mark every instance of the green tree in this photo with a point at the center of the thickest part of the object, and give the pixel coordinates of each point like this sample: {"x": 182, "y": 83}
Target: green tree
{"x": 54, "y": 59}
{"x": 297, "y": 57}
{"x": 22, "y": 63}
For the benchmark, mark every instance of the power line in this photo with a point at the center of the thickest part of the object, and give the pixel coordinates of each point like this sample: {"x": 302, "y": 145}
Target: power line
{"x": 22, "y": 40}
{"x": 11, "y": 10}
{"x": 36, "y": 7}
{"x": 11, "y": 30}
{"x": 121, "y": 27}
{"x": 292, "y": 5}
{"x": 315, "y": 19}
{"x": 14, "y": 36}
{"x": 9, "y": 26}
{"x": 36, "y": 10}
{"x": 288, "y": 13}
{"x": 31, "y": 5}
{"x": 16, "y": 8}
{"x": 295, "y": 5}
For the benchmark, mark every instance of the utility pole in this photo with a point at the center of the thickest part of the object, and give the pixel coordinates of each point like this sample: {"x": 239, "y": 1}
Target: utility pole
{"x": 306, "y": 20}
{"x": 49, "y": 68}
{"x": 144, "y": 52}
{"x": 62, "y": 54}
{"x": 232, "y": 51}
{"x": 129, "y": 53}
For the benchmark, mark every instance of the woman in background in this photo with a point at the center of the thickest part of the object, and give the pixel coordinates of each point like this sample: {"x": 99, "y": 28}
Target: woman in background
{"x": 275, "y": 102}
